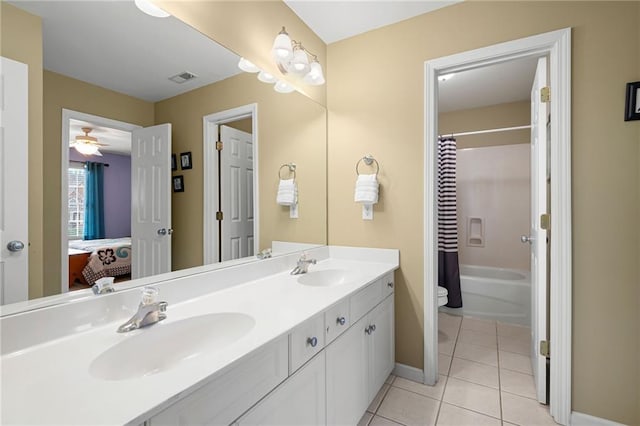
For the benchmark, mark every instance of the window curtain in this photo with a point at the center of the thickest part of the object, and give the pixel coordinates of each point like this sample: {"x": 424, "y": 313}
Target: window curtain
{"x": 448, "y": 266}
{"x": 94, "y": 201}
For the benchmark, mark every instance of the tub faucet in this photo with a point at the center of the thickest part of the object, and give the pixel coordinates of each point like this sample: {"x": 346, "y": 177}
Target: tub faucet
{"x": 303, "y": 265}
{"x": 149, "y": 312}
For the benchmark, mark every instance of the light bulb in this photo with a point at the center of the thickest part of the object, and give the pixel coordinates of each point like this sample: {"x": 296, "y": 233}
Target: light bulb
{"x": 314, "y": 77}
{"x": 282, "y": 46}
{"x": 300, "y": 61}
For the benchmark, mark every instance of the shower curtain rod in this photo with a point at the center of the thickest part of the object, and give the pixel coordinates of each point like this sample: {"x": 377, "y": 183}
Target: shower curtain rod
{"x": 479, "y": 132}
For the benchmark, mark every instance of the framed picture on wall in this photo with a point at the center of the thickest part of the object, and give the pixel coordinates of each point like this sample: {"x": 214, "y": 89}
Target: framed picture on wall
{"x": 632, "y": 103}
{"x": 174, "y": 163}
{"x": 178, "y": 184}
{"x": 185, "y": 161}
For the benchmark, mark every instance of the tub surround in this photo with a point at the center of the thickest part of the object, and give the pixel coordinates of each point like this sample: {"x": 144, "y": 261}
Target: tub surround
{"x": 70, "y": 336}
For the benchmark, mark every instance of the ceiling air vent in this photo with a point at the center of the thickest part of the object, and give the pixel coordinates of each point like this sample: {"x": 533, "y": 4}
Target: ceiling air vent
{"x": 182, "y": 77}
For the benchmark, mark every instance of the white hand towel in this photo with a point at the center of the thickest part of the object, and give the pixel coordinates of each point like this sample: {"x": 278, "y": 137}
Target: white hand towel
{"x": 287, "y": 192}
{"x": 366, "y": 189}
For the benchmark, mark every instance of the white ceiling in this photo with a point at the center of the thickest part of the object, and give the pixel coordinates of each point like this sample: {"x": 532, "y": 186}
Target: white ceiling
{"x": 336, "y": 20}
{"x": 116, "y": 141}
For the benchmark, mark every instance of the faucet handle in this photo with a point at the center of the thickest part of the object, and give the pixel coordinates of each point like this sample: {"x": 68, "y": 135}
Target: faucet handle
{"x": 149, "y": 295}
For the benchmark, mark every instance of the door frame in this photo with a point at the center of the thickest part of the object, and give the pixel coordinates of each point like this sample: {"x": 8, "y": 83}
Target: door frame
{"x": 557, "y": 46}
{"x": 67, "y": 115}
{"x": 210, "y": 124}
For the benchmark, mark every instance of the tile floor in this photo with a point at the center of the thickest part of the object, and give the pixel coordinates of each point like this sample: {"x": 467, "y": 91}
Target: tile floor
{"x": 485, "y": 379}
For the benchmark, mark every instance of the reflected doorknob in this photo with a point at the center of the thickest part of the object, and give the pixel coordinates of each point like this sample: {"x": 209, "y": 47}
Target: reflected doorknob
{"x": 526, "y": 239}
{"x": 165, "y": 231}
{"x": 15, "y": 246}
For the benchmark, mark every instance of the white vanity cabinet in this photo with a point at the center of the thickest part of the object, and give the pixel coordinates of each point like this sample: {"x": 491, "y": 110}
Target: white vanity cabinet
{"x": 298, "y": 401}
{"x": 358, "y": 363}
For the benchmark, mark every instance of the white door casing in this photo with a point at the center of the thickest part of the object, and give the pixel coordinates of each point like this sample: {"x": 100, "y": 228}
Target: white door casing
{"x": 151, "y": 201}
{"x": 537, "y": 235}
{"x": 211, "y": 125}
{"x": 236, "y": 184}
{"x": 557, "y": 45}
{"x": 14, "y": 200}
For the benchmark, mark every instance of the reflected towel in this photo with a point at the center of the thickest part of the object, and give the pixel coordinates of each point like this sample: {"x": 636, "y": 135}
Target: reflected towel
{"x": 366, "y": 189}
{"x": 287, "y": 192}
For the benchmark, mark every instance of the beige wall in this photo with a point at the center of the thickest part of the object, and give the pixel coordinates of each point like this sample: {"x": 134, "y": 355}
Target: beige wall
{"x": 22, "y": 41}
{"x": 248, "y": 28}
{"x": 492, "y": 117}
{"x": 381, "y": 112}
{"x": 62, "y": 92}
{"x": 291, "y": 128}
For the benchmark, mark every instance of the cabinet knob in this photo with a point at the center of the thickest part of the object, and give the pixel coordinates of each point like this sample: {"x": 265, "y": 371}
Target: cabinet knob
{"x": 313, "y": 341}
{"x": 390, "y": 284}
{"x": 341, "y": 320}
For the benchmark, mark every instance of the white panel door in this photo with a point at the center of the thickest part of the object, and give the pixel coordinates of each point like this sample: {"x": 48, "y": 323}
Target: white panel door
{"x": 538, "y": 236}
{"x": 382, "y": 347}
{"x": 236, "y": 185}
{"x": 151, "y": 201}
{"x": 14, "y": 253}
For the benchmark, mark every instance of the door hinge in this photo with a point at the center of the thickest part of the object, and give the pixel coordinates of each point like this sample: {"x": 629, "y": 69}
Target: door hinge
{"x": 544, "y": 348}
{"x": 218, "y": 146}
{"x": 545, "y": 221}
{"x": 545, "y": 94}
{"x": 218, "y": 215}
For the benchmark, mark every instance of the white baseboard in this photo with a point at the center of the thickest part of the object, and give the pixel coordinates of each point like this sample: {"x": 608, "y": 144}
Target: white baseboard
{"x": 409, "y": 373}
{"x": 581, "y": 419}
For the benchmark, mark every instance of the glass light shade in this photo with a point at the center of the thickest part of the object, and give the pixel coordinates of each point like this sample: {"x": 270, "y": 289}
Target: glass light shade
{"x": 87, "y": 149}
{"x": 314, "y": 77}
{"x": 150, "y": 9}
{"x": 300, "y": 62}
{"x": 283, "y": 87}
{"x": 282, "y": 47}
{"x": 247, "y": 66}
{"x": 265, "y": 77}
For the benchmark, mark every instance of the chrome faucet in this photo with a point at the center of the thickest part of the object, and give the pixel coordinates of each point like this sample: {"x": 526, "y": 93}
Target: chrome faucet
{"x": 149, "y": 312}
{"x": 264, "y": 254}
{"x": 303, "y": 265}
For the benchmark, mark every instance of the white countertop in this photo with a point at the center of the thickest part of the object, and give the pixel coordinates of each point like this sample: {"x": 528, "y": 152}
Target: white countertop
{"x": 50, "y": 383}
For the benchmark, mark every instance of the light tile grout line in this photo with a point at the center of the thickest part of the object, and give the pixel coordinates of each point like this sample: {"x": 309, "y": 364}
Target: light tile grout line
{"x": 449, "y": 372}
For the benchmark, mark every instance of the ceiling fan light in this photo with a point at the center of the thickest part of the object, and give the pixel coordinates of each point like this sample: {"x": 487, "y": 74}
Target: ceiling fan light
{"x": 150, "y": 9}
{"x": 87, "y": 149}
{"x": 247, "y": 66}
{"x": 266, "y": 77}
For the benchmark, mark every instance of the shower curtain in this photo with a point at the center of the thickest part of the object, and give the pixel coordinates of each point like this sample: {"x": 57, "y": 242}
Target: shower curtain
{"x": 448, "y": 266}
{"x": 94, "y": 202}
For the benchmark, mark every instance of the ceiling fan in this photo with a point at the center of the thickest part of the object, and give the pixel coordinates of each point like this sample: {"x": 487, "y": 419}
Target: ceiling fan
{"x": 85, "y": 144}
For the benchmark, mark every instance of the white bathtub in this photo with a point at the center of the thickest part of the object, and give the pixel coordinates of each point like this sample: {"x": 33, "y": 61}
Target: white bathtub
{"x": 495, "y": 293}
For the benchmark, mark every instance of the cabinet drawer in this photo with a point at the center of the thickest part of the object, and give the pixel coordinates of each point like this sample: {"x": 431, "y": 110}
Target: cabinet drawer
{"x": 365, "y": 300}
{"x": 305, "y": 341}
{"x": 228, "y": 396}
{"x": 337, "y": 320}
{"x": 388, "y": 284}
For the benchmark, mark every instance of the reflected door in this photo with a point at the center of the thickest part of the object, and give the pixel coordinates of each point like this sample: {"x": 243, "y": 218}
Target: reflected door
{"x": 14, "y": 262}
{"x": 151, "y": 201}
{"x": 236, "y": 186}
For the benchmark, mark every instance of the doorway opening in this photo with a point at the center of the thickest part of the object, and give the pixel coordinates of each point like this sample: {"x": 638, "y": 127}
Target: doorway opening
{"x": 230, "y": 145}
{"x": 556, "y": 46}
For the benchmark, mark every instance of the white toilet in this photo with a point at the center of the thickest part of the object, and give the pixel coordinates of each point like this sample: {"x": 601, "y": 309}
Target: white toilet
{"x": 442, "y": 296}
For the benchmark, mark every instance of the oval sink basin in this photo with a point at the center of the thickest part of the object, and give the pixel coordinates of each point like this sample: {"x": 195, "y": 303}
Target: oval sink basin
{"x": 163, "y": 346}
{"x": 327, "y": 277}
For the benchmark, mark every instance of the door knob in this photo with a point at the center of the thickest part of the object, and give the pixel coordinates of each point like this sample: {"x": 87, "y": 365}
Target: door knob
{"x": 526, "y": 239}
{"x": 162, "y": 231}
{"x": 15, "y": 246}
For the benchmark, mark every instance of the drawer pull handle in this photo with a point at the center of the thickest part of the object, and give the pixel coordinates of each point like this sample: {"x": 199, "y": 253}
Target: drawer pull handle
{"x": 390, "y": 284}
{"x": 341, "y": 320}
{"x": 313, "y": 341}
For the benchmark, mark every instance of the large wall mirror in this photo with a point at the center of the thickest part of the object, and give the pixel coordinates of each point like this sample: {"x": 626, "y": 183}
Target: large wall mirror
{"x": 109, "y": 71}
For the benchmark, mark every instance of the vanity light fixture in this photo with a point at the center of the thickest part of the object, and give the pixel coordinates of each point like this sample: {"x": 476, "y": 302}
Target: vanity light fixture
{"x": 293, "y": 58}
{"x": 266, "y": 77}
{"x": 283, "y": 87}
{"x": 247, "y": 66}
{"x": 150, "y": 9}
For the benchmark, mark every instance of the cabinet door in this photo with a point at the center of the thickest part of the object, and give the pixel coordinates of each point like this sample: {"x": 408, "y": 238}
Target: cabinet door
{"x": 298, "y": 401}
{"x": 347, "y": 371}
{"x": 381, "y": 345}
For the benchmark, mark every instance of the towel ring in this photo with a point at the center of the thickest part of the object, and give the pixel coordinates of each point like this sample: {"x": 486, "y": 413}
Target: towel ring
{"x": 368, "y": 160}
{"x": 291, "y": 167}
